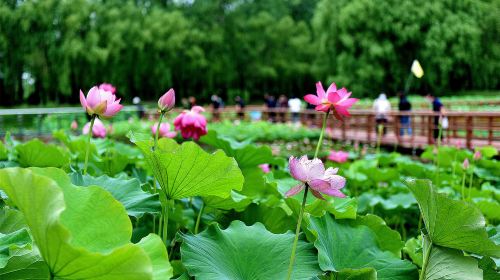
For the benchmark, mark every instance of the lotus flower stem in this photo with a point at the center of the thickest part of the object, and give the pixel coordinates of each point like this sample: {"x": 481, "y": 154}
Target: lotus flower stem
{"x": 320, "y": 141}
{"x": 440, "y": 132}
{"x": 297, "y": 231}
{"x": 88, "y": 145}
{"x": 157, "y": 133}
{"x": 470, "y": 182}
{"x": 304, "y": 199}
{"x": 198, "y": 219}
{"x": 463, "y": 185}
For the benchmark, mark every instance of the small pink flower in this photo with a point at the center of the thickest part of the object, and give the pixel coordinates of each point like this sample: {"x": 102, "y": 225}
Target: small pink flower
{"x": 164, "y": 130}
{"x": 98, "y": 130}
{"x": 458, "y": 144}
{"x": 74, "y": 125}
{"x": 167, "y": 101}
{"x": 313, "y": 173}
{"x": 465, "y": 164}
{"x": 107, "y": 87}
{"x": 338, "y": 156}
{"x": 265, "y": 168}
{"x": 334, "y": 100}
{"x": 477, "y": 155}
{"x": 100, "y": 102}
{"x": 191, "y": 123}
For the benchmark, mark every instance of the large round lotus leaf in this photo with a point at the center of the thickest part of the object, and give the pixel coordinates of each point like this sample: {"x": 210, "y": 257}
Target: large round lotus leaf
{"x": 243, "y": 252}
{"x": 452, "y": 223}
{"x": 346, "y": 246}
{"x": 187, "y": 170}
{"x": 37, "y": 153}
{"x": 81, "y": 232}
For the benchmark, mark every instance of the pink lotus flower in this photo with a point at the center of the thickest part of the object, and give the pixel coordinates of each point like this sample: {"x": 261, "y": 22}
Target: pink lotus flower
{"x": 107, "y": 87}
{"x": 313, "y": 173}
{"x": 265, "y": 168}
{"x": 338, "y": 156}
{"x": 100, "y": 102}
{"x": 98, "y": 130}
{"x": 164, "y": 130}
{"x": 74, "y": 125}
{"x": 334, "y": 100}
{"x": 191, "y": 123}
{"x": 477, "y": 155}
{"x": 167, "y": 101}
{"x": 465, "y": 164}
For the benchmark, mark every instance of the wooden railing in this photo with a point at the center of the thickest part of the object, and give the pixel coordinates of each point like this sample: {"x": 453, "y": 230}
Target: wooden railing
{"x": 466, "y": 129}
{"x": 469, "y": 129}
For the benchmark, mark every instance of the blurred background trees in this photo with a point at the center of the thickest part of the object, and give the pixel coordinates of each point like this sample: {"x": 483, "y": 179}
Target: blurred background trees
{"x": 51, "y": 49}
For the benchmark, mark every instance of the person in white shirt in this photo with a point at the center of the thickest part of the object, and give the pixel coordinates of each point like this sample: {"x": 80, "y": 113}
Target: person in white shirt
{"x": 295, "y": 105}
{"x": 382, "y": 107}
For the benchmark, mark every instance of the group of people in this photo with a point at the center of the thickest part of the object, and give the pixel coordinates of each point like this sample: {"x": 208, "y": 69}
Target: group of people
{"x": 382, "y": 109}
{"x": 278, "y": 107}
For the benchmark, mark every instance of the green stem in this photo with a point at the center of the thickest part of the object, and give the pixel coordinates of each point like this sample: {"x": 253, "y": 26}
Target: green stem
{"x": 158, "y": 131}
{"x": 437, "y": 155}
{"x": 165, "y": 223}
{"x": 88, "y": 145}
{"x": 198, "y": 219}
{"x": 470, "y": 182}
{"x": 297, "y": 231}
{"x": 463, "y": 186}
{"x": 453, "y": 173}
{"x": 154, "y": 181}
{"x": 320, "y": 141}
{"x": 380, "y": 130}
{"x": 301, "y": 213}
{"x": 425, "y": 259}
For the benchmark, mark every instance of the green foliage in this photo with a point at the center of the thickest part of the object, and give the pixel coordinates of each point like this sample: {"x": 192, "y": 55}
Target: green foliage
{"x": 80, "y": 232}
{"x": 451, "y": 223}
{"x": 127, "y": 191}
{"x": 245, "y": 252}
{"x": 242, "y": 47}
{"x": 348, "y": 246}
{"x": 36, "y": 153}
{"x": 187, "y": 170}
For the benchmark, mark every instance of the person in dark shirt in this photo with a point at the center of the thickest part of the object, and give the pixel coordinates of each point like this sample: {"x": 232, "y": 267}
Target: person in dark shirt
{"x": 437, "y": 107}
{"x": 271, "y": 104}
{"x": 216, "y": 105}
{"x": 404, "y": 106}
{"x": 240, "y": 107}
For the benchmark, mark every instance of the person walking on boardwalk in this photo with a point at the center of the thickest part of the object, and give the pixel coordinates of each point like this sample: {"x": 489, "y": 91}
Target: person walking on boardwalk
{"x": 404, "y": 106}
{"x": 381, "y": 107}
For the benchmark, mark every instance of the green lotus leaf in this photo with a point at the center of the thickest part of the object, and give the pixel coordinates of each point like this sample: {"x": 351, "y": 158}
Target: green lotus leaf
{"x": 452, "y": 223}
{"x": 127, "y": 191}
{"x": 81, "y": 232}
{"x": 346, "y": 246}
{"x": 235, "y": 201}
{"x": 11, "y": 220}
{"x": 4, "y": 155}
{"x": 24, "y": 264}
{"x": 187, "y": 170}
{"x": 413, "y": 247}
{"x": 447, "y": 263}
{"x": 275, "y": 219}
{"x": 243, "y": 252}
{"x": 36, "y": 153}
{"x": 245, "y": 153}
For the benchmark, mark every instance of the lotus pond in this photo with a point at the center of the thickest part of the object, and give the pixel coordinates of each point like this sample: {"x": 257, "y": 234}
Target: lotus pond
{"x": 217, "y": 209}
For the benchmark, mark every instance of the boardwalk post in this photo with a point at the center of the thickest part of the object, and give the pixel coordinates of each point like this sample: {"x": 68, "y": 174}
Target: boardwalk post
{"x": 369, "y": 127}
{"x": 430, "y": 129}
{"x": 490, "y": 130}
{"x": 397, "y": 128}
{"x": 469, "y": 132}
